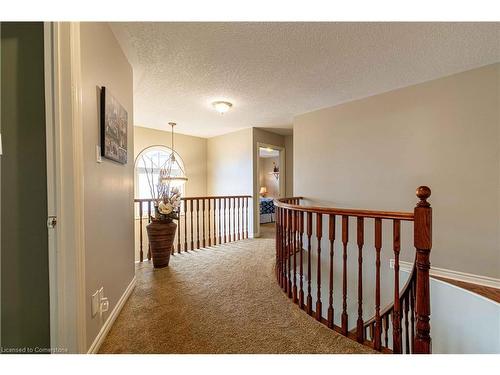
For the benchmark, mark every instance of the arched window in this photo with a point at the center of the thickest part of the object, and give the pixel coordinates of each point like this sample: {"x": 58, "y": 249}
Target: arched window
{"x": 153, "y": 158}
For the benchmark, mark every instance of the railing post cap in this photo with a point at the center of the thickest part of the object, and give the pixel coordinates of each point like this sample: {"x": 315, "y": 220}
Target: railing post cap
{"x": 423, "y": 192}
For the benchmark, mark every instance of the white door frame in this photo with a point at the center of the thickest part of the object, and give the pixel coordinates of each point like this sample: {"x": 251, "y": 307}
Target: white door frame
{"x": 64, "y": 126}
{"x": 256, "y": 187}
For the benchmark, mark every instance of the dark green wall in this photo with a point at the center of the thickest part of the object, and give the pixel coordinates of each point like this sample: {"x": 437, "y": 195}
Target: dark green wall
{"x": 24, "y": 249}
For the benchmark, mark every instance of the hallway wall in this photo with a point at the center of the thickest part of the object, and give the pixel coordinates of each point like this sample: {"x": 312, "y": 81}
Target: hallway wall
{"x": 229, "y": 166}
{"x": 231, "y": 161}
{"x": 372, "y": 153}
{"x": 108, "y": 186}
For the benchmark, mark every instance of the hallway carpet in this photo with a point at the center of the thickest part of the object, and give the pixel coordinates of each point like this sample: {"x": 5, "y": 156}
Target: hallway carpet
{"x": 223, "y": 299}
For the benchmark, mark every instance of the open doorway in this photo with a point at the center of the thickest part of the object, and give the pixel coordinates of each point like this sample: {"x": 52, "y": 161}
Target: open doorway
{"x": 271, "y": 185}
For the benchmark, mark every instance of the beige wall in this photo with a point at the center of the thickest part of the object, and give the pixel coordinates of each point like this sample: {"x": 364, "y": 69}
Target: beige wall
{"x": 289, "y": 165}
{"x": 108, "y": 186}
{"x": 373, "y": 153}
{"x": 266, "y": 178}
{"x": 232, "y": 165}
{"x": 192, "y": 150}
{"x": 229, "y": 163}
{"x": 229, "y": 166}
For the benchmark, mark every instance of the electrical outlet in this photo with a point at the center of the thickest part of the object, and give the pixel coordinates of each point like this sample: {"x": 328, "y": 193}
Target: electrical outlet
{"x": 96, "y": 303}
{"x": 104, "y": 305}
{"x": 103, "y": 301}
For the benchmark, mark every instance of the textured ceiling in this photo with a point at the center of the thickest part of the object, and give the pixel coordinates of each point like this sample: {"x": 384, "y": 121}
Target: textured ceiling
{"x": 274, "y": 71}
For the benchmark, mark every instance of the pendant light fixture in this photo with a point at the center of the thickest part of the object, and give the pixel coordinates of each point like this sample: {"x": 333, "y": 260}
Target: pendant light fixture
{"x": 174, "y": 170}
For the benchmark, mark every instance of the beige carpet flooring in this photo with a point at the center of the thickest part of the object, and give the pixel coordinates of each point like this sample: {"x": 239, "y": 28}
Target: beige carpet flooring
{"x": 223, "y": 299}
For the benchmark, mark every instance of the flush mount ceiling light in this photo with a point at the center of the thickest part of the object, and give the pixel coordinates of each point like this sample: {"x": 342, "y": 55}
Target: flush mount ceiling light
{"x": 222, "y": 107}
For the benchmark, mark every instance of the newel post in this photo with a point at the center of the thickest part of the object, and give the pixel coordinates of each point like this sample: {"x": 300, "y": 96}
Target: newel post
{"x": 423, "y": 245}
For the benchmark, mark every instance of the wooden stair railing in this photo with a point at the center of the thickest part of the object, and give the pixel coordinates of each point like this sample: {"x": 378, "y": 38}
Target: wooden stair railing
{"x": 405, "y": 319}
{"x": 204, "y": 221}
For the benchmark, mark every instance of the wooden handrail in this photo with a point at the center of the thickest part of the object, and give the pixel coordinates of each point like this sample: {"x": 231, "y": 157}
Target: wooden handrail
{"x": 408, "y": 315}
{"x": 199, "y": 198}
{"x": 204, "y": 221}
{"x": 371, "y": 214}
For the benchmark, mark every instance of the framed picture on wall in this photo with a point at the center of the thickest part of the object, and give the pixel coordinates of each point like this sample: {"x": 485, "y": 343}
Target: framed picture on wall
{"x": 114, "y": 125}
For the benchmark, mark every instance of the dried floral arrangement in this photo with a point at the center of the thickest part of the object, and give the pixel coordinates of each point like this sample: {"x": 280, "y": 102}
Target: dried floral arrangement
{"x": 166, "y": 200}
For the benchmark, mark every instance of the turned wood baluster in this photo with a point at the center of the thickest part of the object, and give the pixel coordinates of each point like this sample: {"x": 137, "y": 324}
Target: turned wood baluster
{"x": 301, "y": 261}
{"x": 178, "y": 236}
{"x": 423, "y": 244}
{"x": 309, "y": 233}
{"x": 282, "y": 260}
{"x": 237, "y": 219}
{"x": 407, "y": 333}
{"x": 238, "y": 216}
{"x": 237, "y": 223}
{"x": 243, "y": 218}
{"x": 278, "y": 248}
{"x": 359, "y": 328}
{"x": 288, "y": 249}
{"x": 386, "y": 330}
{"x": 220, "y": 226}
{"x": 319, "y": 234}
{"x": 215, "y": 224}
{"x": 229, "y": 218}
{"x": 277, "y": 244}
{"x": 203, "y": 221}
{"x": 331, "y": 237}
{"x": 246, "y": 217}
{"x": 141, "y": 254}
{"x": 224, "y": 220}
{"x": 185, "y": 226}
{"x": 191, "y": 204}
{"x": 283, "y": 249}
{"x": 378, "y": 323}
{"x": 412, "y": 319}
{"x": 149, "y": 221}
{"x": 234, "y": 219}
{"x": 209, "y": 226}
{"x": 294, "y": 249}
{"x": 396, "y": 317}
{"x": 197, "y": 223}
{"x": 345, "y": 239}
{"x": 235, "y": 228}
{"x": 282, "y": 245}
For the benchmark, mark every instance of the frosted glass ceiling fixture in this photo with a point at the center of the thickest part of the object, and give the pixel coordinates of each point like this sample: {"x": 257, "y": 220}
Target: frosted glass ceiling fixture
{"x": 173, "y": 165}
{"x": 222, "y": 107}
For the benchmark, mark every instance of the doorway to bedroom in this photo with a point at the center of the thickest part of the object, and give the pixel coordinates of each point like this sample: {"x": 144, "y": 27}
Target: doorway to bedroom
{"x": 270, "y": 172}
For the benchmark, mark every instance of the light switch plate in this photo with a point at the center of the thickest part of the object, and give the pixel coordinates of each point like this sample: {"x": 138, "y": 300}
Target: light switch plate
{"x": 98, "y": 154}
{"x": 95, "y": 303}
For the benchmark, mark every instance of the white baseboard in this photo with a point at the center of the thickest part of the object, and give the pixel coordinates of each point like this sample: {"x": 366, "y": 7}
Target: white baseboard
{"x": 453, "y": 275}
{"x": 94, "y": 348}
